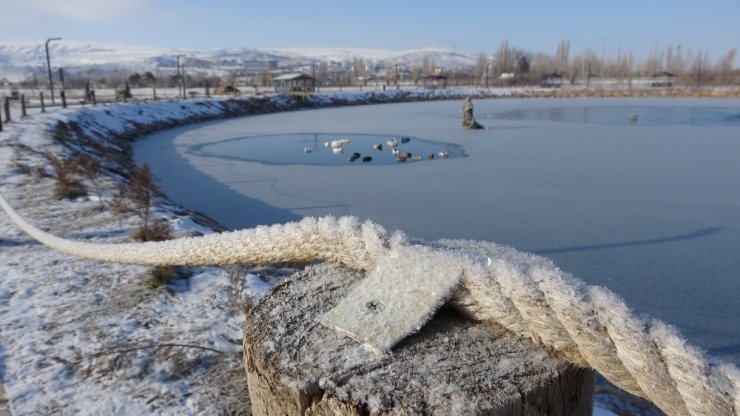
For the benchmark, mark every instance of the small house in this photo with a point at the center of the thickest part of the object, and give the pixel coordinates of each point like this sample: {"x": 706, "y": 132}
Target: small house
{"x": 294, "y": 83}
{"x": 434, "y": 81}
{"x": 662, "y": 79}
{"x": 227, "y": 90}
{"x": 551, "y": 80}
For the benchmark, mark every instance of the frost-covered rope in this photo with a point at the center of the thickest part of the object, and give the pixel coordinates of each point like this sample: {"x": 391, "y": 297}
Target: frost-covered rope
{"x": 591, "y": 326}
{"x": 586, "y": 325}
{"x": 343, "y": 241}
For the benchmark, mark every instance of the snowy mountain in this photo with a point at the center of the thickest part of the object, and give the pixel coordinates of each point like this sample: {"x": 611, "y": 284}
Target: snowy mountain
{"x": 19, "y": 60}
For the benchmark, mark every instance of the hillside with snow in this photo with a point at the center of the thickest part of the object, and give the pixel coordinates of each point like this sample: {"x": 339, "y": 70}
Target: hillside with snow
{"x": 19, "y": 60}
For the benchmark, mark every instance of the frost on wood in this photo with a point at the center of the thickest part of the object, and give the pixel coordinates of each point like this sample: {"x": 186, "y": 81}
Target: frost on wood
{"x": 398, "y": 296}
{"x": 452, "y": 366}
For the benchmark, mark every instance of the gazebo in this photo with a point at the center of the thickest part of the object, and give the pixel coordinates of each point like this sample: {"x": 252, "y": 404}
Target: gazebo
{"x": 292, "y": 83}
{"x": 551, "y": 80}
{"x": 662, "y": 79}
{"x": 434, "y": 81}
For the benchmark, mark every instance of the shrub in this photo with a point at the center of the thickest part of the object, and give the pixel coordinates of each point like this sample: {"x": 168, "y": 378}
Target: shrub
{"x": 89, "y": 167}
{"x": 65, "y": 185}
{"x": 135, "y": 197}
{"x": 160, "y": 276}
{"x": 158, "y": 230}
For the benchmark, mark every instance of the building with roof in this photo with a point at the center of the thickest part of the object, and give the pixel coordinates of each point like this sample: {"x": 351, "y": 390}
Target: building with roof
{"x": 434, "y": 81}
{"x": 294, "y": 83}
{"x": 662, "y": 79}
{"x": 551, "y": 80}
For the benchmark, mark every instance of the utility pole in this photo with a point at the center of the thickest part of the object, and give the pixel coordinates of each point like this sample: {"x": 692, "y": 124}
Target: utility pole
{"x": 603, "y": 59}
{"x": 179, "y": 76}
{"x": 453, "y": 64}
{"x": 313, "y": 74}
{"x": 488, "y": 69}
{"x": 48, "y": 67}
{"x": 698, "y": 73}
{"x": 184, "y": 81}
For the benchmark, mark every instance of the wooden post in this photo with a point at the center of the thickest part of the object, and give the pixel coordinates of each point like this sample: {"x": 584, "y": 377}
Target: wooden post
{"x": 6, "y": 107}
{"x": 92, "y": 95}
{"x": 154, "y": 91}
{"x": 453, "y": 365}
{"x": 41, "y": 98}
{"x": 64, "y": 98}
{"x": 23, "y": 105}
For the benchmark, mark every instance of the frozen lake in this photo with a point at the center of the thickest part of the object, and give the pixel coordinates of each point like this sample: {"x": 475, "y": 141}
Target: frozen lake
{"x": 648, "y": 208}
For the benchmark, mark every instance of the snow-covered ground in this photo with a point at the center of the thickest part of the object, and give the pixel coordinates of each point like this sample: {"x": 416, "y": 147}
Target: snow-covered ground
{"x": 82, "y": 337}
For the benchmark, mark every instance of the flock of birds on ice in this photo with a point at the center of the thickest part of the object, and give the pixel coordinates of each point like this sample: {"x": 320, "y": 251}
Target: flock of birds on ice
{"x": 337, "y": 147}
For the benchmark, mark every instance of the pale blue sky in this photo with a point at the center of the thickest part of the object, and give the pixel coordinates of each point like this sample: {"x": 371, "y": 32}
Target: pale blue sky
{"x": 470, "y": 25}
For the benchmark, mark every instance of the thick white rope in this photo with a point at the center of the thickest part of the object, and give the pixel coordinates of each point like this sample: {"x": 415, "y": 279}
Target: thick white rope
{"x": 585, "y": 325}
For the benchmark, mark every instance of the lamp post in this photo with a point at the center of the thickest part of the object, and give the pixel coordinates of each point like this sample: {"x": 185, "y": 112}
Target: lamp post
{"x": 48, "y": 67}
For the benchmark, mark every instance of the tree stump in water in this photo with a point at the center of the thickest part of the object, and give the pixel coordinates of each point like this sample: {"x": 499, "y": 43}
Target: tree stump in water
{"x": 451, "y": 366}
{"x": 468, "y": 118}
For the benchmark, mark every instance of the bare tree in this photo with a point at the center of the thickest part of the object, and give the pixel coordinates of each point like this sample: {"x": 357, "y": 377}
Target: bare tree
{"x": 502, "y": 60}
{"x": 481, "y": 66}
{"x": 562, "y": 58}
{"x": 724, "y": 66}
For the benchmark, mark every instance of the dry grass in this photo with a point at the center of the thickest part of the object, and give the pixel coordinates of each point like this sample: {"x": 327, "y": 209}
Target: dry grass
{"x": 66, "y": 185}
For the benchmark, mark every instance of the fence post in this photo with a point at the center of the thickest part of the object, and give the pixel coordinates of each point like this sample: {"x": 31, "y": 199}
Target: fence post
{"x": 154, "y": 91}
{"x": 94, "y": 100}
{"x": 7, "y": 109}
{"x": 41, "y": 98}
{"x": 64, "y": 98}
{"x": 279, "y": 387}
{"x": 23, "y": 105}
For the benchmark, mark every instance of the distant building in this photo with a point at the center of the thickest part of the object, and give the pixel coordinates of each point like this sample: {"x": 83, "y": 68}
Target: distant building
{"x": 434, "y": 81}
{"x": 292, "y": 83}
{"x": 552, "y": 80}
{"x": 662, "y": 79}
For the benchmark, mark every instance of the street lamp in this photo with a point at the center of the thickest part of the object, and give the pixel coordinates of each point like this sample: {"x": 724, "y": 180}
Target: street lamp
{"x": 48, "y": 67}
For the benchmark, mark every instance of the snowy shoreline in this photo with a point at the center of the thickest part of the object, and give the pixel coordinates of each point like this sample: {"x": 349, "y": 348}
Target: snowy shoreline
{"x": 89, "y": 338}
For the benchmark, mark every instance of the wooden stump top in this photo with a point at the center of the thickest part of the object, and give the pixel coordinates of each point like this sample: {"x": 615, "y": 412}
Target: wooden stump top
{"x": 451, "y": 366}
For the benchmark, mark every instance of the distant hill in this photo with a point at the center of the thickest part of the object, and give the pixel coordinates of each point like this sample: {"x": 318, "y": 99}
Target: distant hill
{"x": 19, "y": 60}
